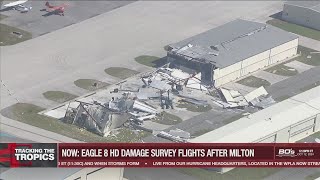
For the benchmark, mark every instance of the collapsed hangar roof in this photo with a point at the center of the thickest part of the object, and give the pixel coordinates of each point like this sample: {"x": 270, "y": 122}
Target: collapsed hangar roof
{"x": 231, "y": 42}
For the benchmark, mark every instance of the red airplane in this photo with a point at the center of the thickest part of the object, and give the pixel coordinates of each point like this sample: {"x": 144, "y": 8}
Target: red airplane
{"x": 55, "y": 9}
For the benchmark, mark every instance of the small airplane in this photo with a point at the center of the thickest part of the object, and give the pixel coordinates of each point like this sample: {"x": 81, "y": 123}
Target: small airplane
{"x": 59, "y": 10}
{"x": 17, "y": 5}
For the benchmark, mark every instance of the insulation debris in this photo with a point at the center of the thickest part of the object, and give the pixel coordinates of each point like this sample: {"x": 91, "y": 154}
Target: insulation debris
{"x": 261, "y": 91}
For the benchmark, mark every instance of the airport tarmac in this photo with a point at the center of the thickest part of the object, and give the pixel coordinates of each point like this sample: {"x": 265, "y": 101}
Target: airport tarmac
{"x": 75, "y": 11}
{"x": 83, "y": 50}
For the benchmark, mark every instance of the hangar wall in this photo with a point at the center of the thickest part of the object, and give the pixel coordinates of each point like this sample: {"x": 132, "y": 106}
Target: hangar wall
{"x": 301, "y": 15}
{"x": 254, "y": 63}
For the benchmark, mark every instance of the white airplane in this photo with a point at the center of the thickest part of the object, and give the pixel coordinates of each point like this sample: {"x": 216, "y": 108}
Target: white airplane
{"x": 17, "y": 5}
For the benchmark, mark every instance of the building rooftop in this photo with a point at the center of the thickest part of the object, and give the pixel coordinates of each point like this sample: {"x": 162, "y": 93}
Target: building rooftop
{"x": 267, "y": 121}
{"x": 231, "y": 42}
{"x": 314, "y": 5}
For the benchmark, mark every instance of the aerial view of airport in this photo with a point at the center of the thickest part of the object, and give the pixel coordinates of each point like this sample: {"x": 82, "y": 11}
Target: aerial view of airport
{"x": 160, "y": 72}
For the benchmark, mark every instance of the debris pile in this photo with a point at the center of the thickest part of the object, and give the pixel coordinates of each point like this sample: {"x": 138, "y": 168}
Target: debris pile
{"x": 234, "y": 99}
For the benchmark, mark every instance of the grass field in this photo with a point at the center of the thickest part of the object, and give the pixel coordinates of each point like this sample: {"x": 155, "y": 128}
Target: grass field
{"x": 120, "y": 72}
{"x": 59, "y": 96}
{"x": 201, "y": 132}
{"x": 235, "y": 174}
{"x": 314, "y": 58}
{"x": 151, "y": 61}
{"x": 28, "y": 113}
{"x": 253, "y": 81}
{"x": 2, "y": 16}
{"x": 233, "y": 118}
{"x": 304, "y": 31}
{"x": 8, "y": 38}
{"x": 313, "y": 176}
{"x": 282, "y": 70}
{"x": 88, "y": 84}
{"x": 282, "y": 98}
{"x": 167, "y": 119}
{"x": 306, "y": 88}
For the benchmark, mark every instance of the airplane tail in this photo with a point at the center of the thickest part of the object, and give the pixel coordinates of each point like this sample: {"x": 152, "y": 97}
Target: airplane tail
{"x": 48, "y": 5}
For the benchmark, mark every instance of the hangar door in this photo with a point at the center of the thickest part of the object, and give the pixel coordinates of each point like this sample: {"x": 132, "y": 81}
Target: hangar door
{"x": 302, "y": 130}
{"x": 268, "y": 139}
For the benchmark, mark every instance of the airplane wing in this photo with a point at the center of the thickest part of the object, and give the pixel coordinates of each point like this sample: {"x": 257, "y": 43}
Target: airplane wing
{"x": 49, "y": 13}
{"x": 15, "y": 3}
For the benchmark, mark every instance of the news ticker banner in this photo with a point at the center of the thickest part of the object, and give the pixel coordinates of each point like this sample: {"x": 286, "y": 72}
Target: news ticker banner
{"x": 175, "y": 155}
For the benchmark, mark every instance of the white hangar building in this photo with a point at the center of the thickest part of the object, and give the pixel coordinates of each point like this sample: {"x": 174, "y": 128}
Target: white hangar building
{"x": 285, "y": 122}
{"x": 233, "y": 50}
{"x": 305, "y": 13}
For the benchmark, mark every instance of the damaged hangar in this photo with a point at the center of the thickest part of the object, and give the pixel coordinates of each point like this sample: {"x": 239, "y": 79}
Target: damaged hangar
{"x": 233, "y": 50}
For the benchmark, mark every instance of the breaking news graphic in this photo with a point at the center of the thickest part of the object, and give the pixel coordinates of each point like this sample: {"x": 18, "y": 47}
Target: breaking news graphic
{"x": 28, "y": 155}
{"x": 160, "y": 155}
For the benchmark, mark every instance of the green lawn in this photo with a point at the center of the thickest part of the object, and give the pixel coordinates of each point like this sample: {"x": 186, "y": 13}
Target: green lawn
{"x": 314, "y": 58}
{"x": 200, "y": 132}
{"x": 167, "y": 119}
{"x": 233, "y": 118}
{"x": 304, "y": 31}
{"x": 282, "y": 98}
{"x": 89, "y": 84}
{"x": 59, "y": 96}
{"x": 313, "y": 176}
{"x": 2, "y": 16}
{"x": 253, "y": 81}
{"x": 306, "y": 88}
{"x": 28, "y": 113}
{"x": 8, "y": 38}
{"x": 120, "y": 72}
{"x": 194, "y": 108}
{"x": 282, "y": 70}
{"x": 151, "y": 61}
{"x": 235, "y": 174}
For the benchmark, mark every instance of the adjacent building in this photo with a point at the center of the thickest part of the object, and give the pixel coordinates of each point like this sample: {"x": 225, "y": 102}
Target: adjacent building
{"x": 233, "y": 50}
{"x": 305, "y": 13}
{"x": 97, "y": 174}
{"x": 288, "y": 121}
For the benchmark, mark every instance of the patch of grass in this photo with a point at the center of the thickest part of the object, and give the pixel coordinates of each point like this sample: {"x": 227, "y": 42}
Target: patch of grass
{"x": 59, "y": 96}
{"x": 8, "y": 38}
{"x": 282, "y": 98}
{"x": 282, "y": 70}
{"x": 194, "y": 108}
{"x": 201, "y": 132}
{"x": 313, "y": 60}
{"x": 313, "y": 176}
{"x": 167, "y": 119}
{"x": 237, "y": 173}
{"x": 253, "y": 81}
{"x": 27, "y": 113}
{"x": 233, "y": 118}
{"x": 151, "y": 61}
{"x": 120, "y": 72}
{"x": 306, "y": 88}
{"x": 127, "y": 135}
{"x": 2, "y": 16}
{"x": 301, "y": 30}
{"x": 90, "y": 84}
